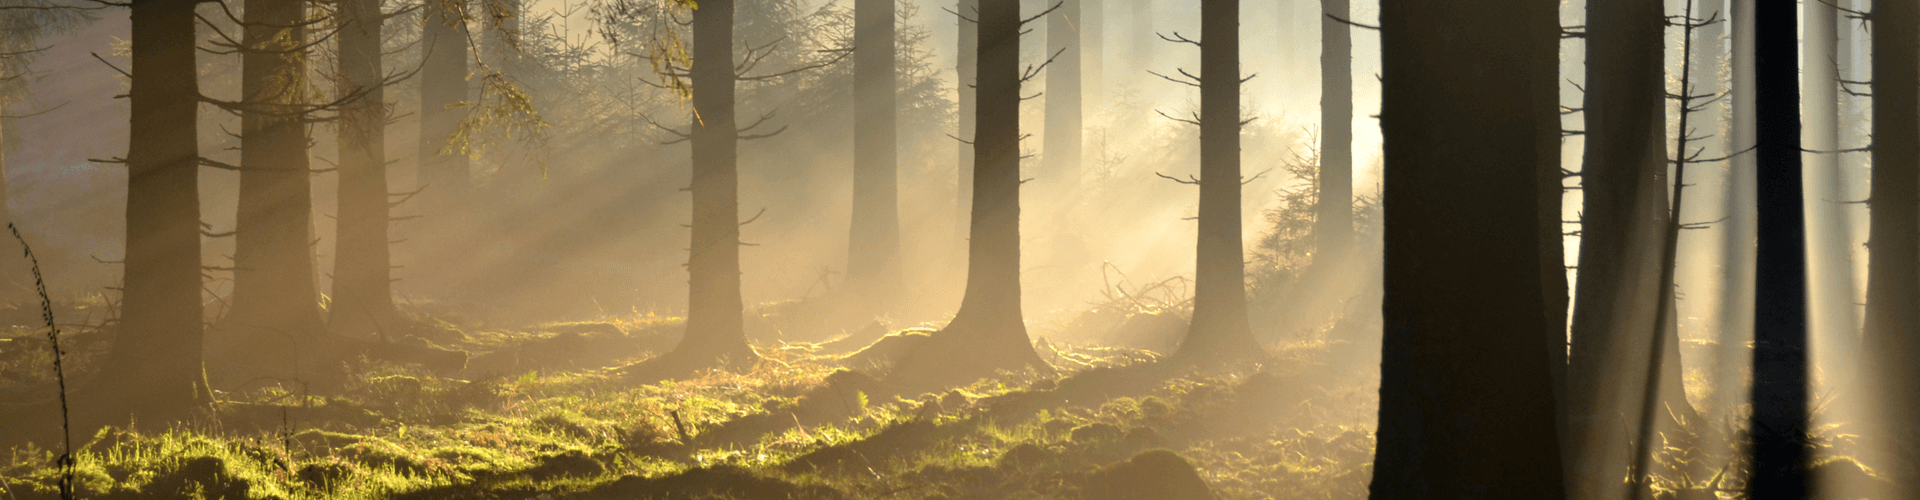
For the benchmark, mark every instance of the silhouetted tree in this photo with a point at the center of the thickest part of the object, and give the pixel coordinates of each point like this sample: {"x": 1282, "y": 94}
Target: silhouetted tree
{"x": 362, "y": 272}
{"x": 1219, "y": 327}
{"x": 988, "y": 332}
{"x": 1892, "y": 337}
{"x": 1780, "y": 406}
{"x": 1545, "y": 68}
{"x": 1060, "y": 160}
{"x": 714, "y": 328}
{"x": 873, "y": 254}
{"x": 1333, "y": 224}
{"x": 276, "y": 303}
{"x": 154, "y": 372}
{"x": 1622, "y": 229}
{"x": 1466, "y": 403}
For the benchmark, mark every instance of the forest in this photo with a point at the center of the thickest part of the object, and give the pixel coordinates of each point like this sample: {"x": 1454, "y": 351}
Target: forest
{"x": 960, "y": 249}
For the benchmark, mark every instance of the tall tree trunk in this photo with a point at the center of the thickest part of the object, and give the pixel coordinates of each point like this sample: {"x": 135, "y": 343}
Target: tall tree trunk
{"x": 1093, "y": 67}
{"x": 968, "y": 70}
{"x": 1736, "y": 299}
{"x": 1779, "y": 420}
{"x": 1466, "y": 403}
{"x": 443, "y": 173}
{"x": 275, "y": 301}
{"x": 1624, "y": 217}
{"x": 1333, "y": 226}
{"x": 988, "y": 332}
{"x": 873, "y": 255}
{"x": 1545, "y": 70}
{"x": 1061, "y": 156}
{"x": 1219, "y": 326}
{"x": 1893, "y": 275}
{"x": 714, "y": 327}
{"x": 362, "y": 276}
{"x": 154, "y": 372}
{"x": 1830, "y": 257}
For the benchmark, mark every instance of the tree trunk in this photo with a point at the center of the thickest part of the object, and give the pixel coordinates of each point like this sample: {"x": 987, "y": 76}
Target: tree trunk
{"x": 1830, "y": 258}
{"x": 988, "y": 333}
{"x": 1061, "y": 156}
{"x": 1779, "y": 420}
{"x": 969, "y": 56}
{"x": 1219, "y": 327}
{"x": 1545, "y": 70}
{"x": 1893, "y": 276}
{"x": 1736, "y": 299}
{"x": 1625, "y": 215}
{"x": 714, "y": 327}
{"x": 154, "y": 372}
{"x": 275, "y": 301}
{"x": 1466, "y": 403}
{"x": 873, "y": 255}
{"x": 362, "y": 276}
{"x": 1333, "y": 227}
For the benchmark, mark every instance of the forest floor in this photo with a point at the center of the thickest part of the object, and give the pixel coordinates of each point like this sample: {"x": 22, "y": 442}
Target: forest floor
{"x": 543, "y": 412}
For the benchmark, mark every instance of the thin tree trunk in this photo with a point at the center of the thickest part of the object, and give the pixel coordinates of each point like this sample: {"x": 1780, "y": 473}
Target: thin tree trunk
{"x": 1624, "y": 215}
{"x": 154, "y": 372}
{"x": 275, "y": 300}
{"x": 1333, "y": 227}
{"x": 1545, "y": 70}
{"x": 1831, "y": 257}
{"x": 714, "y": 325}
{"x": 1466, "y": 403}
{"x": 873, "y": 256}
{"x": 362, "y": 276}
{"x": 969, "y": 57}
{"x": 1780, "y": 407}
{"x": 1219, "y": 327}
{"x": 1061, "y": 156}
{"x": 988, "y": 332}
{"x": 1736, "y": 300}
{"x": 1893, "y": 276}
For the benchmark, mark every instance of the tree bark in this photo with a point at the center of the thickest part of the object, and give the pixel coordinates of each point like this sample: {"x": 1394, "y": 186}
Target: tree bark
{"x": 1893, "y": 276}
{"x": 1466, "y": 403}
{"x": 1061, "y": 156}
{"x": 362, "y": 272}
{"x": 1780, "y": 406}
{"x": 988, "y": 333}
{"x": 154, "y": 372}
{"x": 275, "y": 300}
{"x": 714, "y": 325}
{"x": 873, "y": 255}
{"x": 1219, "y": 328}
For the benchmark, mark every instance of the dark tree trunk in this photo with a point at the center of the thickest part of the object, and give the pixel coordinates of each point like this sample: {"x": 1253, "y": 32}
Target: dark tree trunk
{"x": 969, "y": 56}
{"x": 1893, "y": 276}
{"x": 275, "y": 301}
{"x": 1779, "y": 420}
{"x": 1466, "y": 403}
{"x": 873, "y": 255}
{"x": 714, "y": 327}
{"x": 1061, "y": 156}
{"x": 1219, "y": 325}
{"x": 1736, "y": 298}
{"x": 1545, "y": 70}
{"x": 154, "y": 372}
{"x": 988, "y": 332}
{"x": 1334, "y": 224}
{"x": 362, "y": 278}
{"x": 1622, "y": 233}
{"x": 443, "y": 172}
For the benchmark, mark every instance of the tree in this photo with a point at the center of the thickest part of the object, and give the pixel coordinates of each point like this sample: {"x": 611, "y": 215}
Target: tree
{"x": 988, "y": 333}
{"x": 1893, "y": 273}
{"x": 1833, "y": 307}
{"x": 1623, "y": 221}
{"x": 873, "y": 254}
{"x": 276, "y": 306}
{"x": 1219, "y": 328}
{"x": 714, "y": 327}
{"x": 968, "y": 66}
{"x": 1736, "y": 294}
{"x": 1780, "y": 408}
{"x": 1061, "y": 157}
{"x": 1333, "y": 224}
{"x": 362, "y": 268}
{"x": 1465, "y": 397}
{"x": 154, "y": 372}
